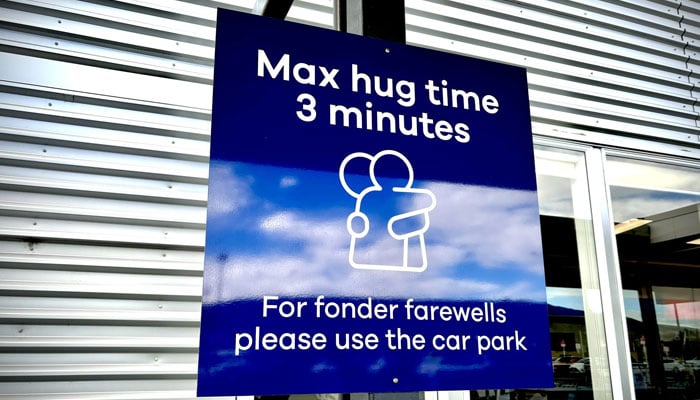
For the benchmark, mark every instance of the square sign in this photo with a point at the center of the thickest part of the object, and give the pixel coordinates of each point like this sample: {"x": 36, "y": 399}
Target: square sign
{"x": 372, "y": 219}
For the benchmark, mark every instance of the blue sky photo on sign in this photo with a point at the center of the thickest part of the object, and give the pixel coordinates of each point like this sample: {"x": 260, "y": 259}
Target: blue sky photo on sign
{"x": 372, "y": 221}
{"x": 483, "y": 241}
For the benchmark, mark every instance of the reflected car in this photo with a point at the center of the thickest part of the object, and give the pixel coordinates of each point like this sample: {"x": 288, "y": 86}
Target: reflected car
{"x": 693, "y": 364}
{"x": 581, "y": 366}
{"x": 560, "y": 365}
{"x": 672, "y": 366}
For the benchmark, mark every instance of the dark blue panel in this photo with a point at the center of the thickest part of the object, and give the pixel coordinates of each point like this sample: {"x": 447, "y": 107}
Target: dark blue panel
{"x": 263, "y": 110}
{"x": 345, "y": 371}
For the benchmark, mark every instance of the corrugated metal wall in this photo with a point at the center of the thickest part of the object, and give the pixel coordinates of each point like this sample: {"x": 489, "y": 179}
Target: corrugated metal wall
{"x": 617, "y": 67}
{"x": 104, "y": 144}
{"x": 104, "y": 126}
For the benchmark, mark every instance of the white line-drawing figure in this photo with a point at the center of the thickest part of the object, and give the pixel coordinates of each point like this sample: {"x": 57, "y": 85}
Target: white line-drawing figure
{"x": 380, "y": 240}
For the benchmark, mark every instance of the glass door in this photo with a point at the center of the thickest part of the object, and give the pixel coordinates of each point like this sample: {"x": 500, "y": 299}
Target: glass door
{"x": 656, "y": 208}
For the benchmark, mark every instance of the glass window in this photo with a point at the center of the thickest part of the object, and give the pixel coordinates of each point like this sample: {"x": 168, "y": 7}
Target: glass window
{"x": 656, "y": 208}
{"x": 579, "y": 359}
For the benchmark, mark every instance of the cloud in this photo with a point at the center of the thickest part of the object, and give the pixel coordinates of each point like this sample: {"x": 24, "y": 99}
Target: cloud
{"x": 636, "y": 203}
{"x": 295, "y": 225}
{"x": 319, "y": 265}
{"x": 251, "y": 277}
{"x": 432, "y": 365}
{"x": 483, "y": 244}
{"x": 496, "y": 228}
{"x": 555, "y": 196}
{"x": 651, "y": 176}
{"x": 288, "y": 181}
{"x": 237, "y": 194}
{"x": 641, "y": 189}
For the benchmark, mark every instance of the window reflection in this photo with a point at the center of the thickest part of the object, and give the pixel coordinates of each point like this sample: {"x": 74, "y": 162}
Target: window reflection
{"x": 660, "y": 267}
{"x": 572, "y": 366}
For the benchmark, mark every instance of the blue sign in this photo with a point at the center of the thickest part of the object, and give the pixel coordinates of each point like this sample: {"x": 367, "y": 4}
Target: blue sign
{"x": 372, "y": 220}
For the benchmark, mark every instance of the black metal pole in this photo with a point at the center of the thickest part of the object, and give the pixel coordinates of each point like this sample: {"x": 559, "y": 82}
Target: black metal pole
{"x": 274, "y": 8}
{"x": 383, "y": 19}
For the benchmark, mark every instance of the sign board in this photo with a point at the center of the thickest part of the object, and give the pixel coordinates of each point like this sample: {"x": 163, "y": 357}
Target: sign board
{"x": 372, "y": 219}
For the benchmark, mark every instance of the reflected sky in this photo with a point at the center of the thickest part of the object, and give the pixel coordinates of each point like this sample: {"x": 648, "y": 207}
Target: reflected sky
{"x": 651, "y": 175}
{"x": 677, "y": 306}
{"x": 686, "y": 314}
{"x": 275, "y": 230}
{"x": 570, "y": 298}
{"x": 640, "y": 189}
{"x": 555, "y": 196}
{"x": 631, "y": 203}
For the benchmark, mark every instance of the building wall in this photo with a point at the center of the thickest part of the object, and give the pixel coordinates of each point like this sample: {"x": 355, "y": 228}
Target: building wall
{"x": 594, "y": 67}
{"x": 104, "y": 128}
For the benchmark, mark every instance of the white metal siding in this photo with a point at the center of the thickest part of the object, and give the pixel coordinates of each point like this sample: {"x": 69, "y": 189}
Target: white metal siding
{"x": 104, "y": 126}
{"x": 104, "y": 144}
{"x": 612, "y": 67}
